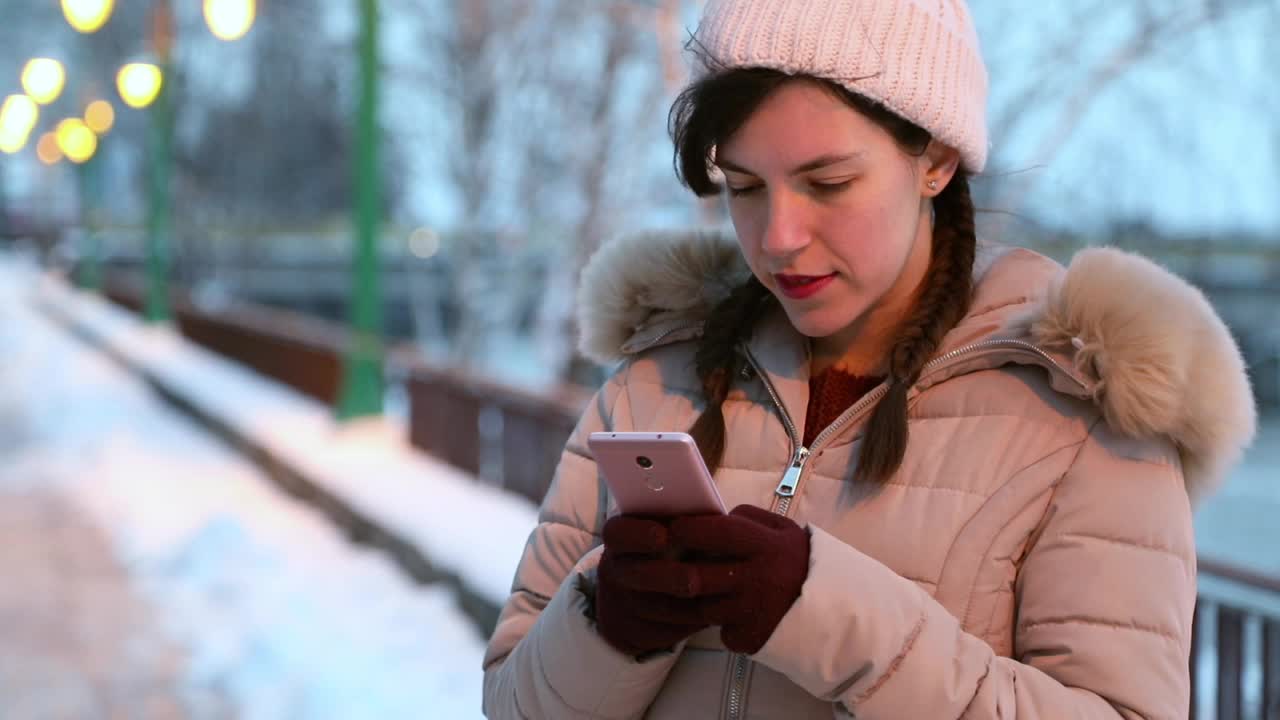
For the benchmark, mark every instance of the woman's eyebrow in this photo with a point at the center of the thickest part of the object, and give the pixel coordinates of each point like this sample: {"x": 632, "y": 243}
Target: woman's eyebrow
{"x": 817, "y": 163}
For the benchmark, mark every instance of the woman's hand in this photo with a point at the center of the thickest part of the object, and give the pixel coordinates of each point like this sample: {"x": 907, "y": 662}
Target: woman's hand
{"x": 741, "y": 571}
{"x": 758, "y": 562}
{"x": 629, "y": 617}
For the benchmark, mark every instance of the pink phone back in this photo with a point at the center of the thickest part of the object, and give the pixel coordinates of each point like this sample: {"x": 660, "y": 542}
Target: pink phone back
{"x": 655, "y": 473}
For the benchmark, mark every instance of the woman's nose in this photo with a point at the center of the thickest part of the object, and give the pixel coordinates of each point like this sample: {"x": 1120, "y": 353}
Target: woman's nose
{"x": 785, "y": 232}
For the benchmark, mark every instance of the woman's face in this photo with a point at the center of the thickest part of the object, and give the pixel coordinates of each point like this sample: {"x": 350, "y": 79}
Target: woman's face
{"x": 831, "y": 213}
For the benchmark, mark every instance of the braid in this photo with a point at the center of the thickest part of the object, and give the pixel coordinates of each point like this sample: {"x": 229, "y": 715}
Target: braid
{"x": 943, "y": 302}
{"x": 717, "y": 361}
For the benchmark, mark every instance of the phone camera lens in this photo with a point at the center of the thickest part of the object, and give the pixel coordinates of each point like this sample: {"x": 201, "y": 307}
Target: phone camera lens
{"x": 644, "y": 462}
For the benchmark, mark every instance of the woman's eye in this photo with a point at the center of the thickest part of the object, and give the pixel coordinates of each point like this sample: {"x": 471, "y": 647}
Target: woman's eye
{"x": 744, "y": 190}
{"x": 832, "y": 187}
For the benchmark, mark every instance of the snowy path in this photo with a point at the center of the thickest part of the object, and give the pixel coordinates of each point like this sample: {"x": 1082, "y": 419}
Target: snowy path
{"x": 79, "y": 640}
{"x": 137, "y": 537}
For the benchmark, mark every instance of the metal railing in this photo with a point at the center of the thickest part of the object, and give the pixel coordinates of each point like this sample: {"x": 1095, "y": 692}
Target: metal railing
{"x": 1236, "y": 629}
{"x": 512, "y": 438}
{"x": 503, "y": 435}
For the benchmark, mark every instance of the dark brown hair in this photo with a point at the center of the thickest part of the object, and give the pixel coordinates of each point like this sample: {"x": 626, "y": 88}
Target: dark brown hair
{"x": 705, "y": 115}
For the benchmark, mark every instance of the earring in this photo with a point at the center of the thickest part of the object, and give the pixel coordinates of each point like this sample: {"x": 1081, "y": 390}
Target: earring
{"x": 933, "y": 184}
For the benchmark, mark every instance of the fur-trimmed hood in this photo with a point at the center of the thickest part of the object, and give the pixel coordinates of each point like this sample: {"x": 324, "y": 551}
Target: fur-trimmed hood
{"x": 1143, "y": 344}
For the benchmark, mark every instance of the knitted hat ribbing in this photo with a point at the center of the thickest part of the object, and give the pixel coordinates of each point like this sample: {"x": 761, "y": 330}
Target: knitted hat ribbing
{"x": 919, "y": 58}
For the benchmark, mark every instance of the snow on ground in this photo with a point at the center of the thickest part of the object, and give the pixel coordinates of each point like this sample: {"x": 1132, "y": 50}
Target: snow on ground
{"x": 475, "y": 531}
{"x": 275, "y": 608}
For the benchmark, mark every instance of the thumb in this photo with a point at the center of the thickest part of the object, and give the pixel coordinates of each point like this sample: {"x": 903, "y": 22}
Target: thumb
{"x": 745, "y": 638}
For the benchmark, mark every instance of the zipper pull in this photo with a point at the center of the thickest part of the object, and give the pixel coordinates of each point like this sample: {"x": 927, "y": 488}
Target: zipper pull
{"x": 787, "y": 487}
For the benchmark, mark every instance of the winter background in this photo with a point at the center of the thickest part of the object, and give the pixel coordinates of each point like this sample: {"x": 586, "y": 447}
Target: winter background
{"x": 517, "y": 136}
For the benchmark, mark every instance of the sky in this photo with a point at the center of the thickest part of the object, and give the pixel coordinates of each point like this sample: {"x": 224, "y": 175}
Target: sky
{"x": 1186, "y": 137}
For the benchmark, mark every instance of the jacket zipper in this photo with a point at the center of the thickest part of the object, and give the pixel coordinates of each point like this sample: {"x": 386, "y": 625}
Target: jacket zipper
{"x": 663, "y": 336}
{"x": 786, "y": 489}
{"x": 791, "y": 478}
{"x": 740, "y": 664}
{"x": 1011, "y": 344}
{"x": 738, "y": 684}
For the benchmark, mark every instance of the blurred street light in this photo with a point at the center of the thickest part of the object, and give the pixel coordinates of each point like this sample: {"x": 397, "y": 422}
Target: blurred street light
{"x": 47, "y": 149}
{"x": 100, "y": 117}
{"x": 12, "y": 143}
{"x": 230, "y": 19}
{"x": 18, "y": 116}
{"x": 139, "y": 84}
{"x": 143, "y": 85}
{"x": 43, "y": 79}
{"x": 424, "y": 243}
{"x": 76, "y": 140}
{"x": 87, "y": 16}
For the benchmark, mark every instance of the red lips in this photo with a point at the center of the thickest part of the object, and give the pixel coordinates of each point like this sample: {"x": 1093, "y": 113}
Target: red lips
{"x": 802, "y": 286}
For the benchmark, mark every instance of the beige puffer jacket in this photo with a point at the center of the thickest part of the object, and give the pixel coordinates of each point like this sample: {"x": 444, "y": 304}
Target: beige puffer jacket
{"x": 1032, "y": 558}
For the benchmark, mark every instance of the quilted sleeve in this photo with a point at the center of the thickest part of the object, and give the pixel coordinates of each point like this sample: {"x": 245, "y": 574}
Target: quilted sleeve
{"x": 1104, "y": 606}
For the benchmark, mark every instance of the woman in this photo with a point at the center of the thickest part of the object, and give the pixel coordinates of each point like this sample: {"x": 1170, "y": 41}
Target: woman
{"x": 962, "y": 478}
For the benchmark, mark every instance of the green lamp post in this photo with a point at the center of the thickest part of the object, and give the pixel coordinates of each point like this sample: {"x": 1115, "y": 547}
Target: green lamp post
{"x": 362, "y": 381}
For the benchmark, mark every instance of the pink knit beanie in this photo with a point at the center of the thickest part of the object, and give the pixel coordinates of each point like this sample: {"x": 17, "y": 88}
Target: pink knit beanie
{"x": 919, "y": 58}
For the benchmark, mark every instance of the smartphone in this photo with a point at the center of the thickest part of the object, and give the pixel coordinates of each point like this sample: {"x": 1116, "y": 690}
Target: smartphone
{"x": 655, "y": 473}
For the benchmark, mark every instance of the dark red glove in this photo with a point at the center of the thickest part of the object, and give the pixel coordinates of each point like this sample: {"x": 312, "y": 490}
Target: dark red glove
{"x": 761, "y": 560}
{"x": 629, "y": 617}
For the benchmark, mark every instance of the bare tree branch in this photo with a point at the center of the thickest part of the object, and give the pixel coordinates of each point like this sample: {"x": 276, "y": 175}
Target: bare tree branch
{"x": 1155, "y": 31}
